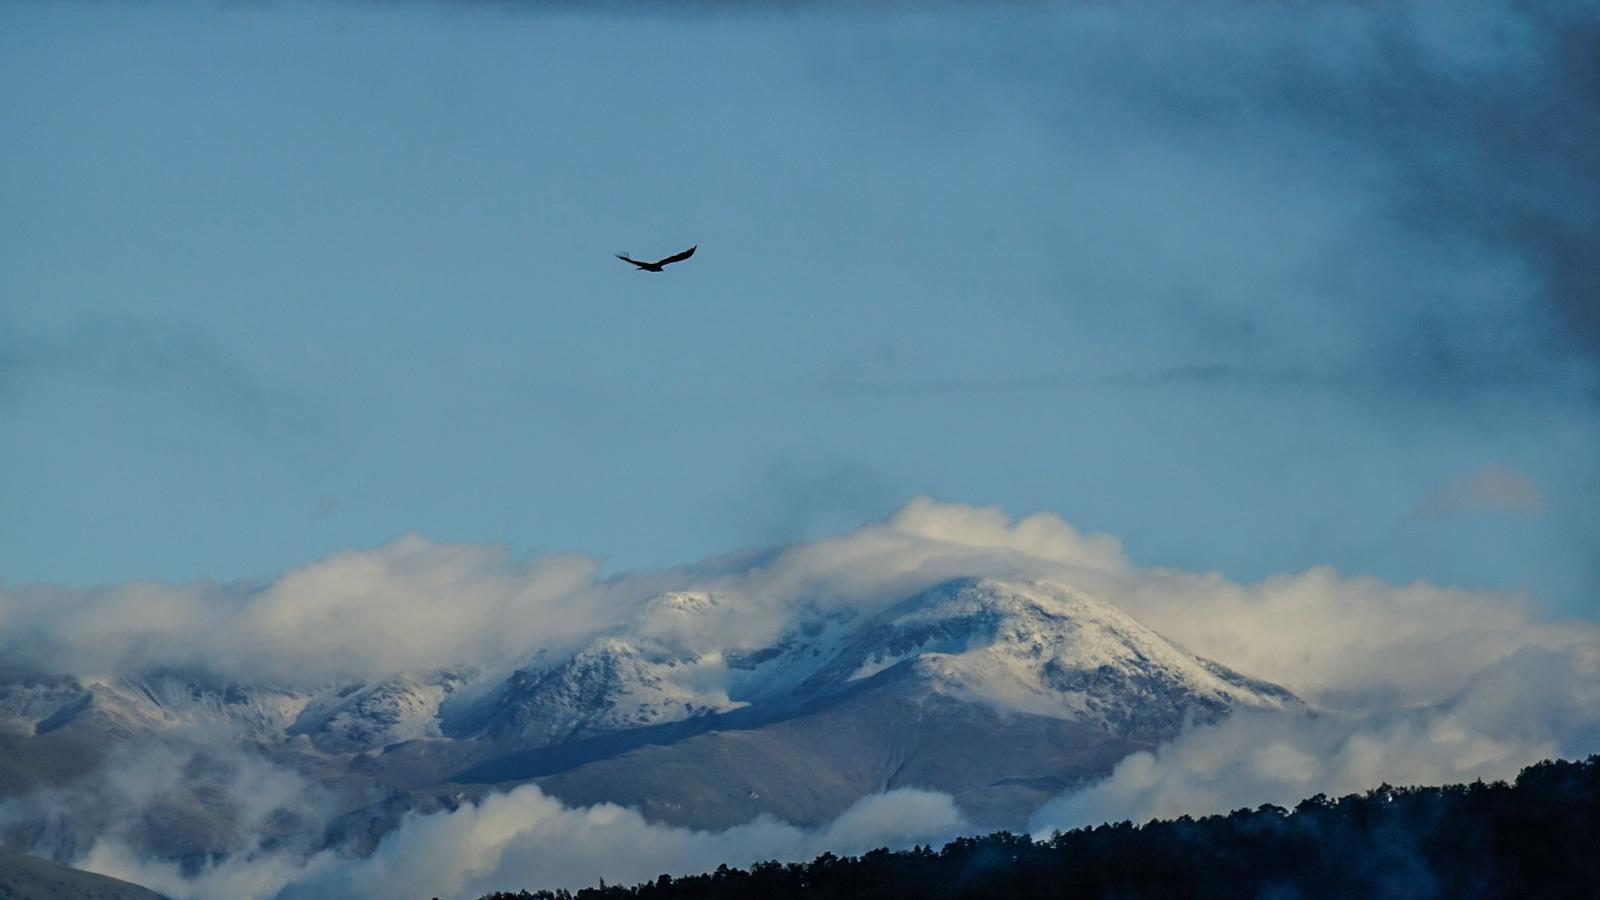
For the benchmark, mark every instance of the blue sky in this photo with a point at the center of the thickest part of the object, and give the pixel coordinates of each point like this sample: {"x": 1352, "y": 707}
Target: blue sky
{"x": 1252, "y": 292}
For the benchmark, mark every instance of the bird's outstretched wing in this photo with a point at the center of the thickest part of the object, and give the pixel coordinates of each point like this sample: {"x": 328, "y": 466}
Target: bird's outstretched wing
{"x": 677, "y": 257}
{"x": 624, "y": 257}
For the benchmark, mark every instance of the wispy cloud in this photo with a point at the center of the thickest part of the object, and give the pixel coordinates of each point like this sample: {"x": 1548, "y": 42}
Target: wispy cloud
{"x": 793, "y": 498}
{"x": 136, "y": 356}
{"x": 1190, "y": 375}
{"x": 1493, "y": 488}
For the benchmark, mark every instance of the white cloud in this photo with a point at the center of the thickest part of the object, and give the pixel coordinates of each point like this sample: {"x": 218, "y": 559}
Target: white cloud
{"x": 1534, "y": 705}
{"x": 524, "y": 838}
{"x": 1340, "y": 640}
{"x": 408, "y": 605}
{"x": 414, "y": 604}
{"x": 194, "y": 791}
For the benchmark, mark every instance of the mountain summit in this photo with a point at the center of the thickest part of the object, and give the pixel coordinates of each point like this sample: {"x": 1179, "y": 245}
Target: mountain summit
{"x": 1000, "y": 693}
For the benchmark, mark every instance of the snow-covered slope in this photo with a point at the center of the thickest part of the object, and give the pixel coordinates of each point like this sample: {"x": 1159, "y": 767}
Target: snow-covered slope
{"x": 40, "y": 704}
{"x": 359, "y": 717}
{"x": 1049, "y": 650}
{"x": 610, "y": 685}
{"x": 1034, "y": 647}
{"x": 337, "y": 718}
{"x": 1000, "y": 694}
{"x": 186, "y": 697}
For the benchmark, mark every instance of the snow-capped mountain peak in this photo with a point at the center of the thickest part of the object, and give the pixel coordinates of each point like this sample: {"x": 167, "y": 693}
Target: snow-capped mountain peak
{"x": 1047, "y": 649}
{"x": 995, "y": 691}
{"x": 1041, "y": 648}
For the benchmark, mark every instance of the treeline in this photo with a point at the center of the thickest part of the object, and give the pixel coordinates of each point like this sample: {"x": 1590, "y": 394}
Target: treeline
{"x": 1538, "y": 837}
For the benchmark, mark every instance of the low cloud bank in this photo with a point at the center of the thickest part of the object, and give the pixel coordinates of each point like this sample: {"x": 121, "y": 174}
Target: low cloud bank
{"x": 1534, "y": 705}
{"x": 524, "y": 838}
{"x": 192, "y": 794}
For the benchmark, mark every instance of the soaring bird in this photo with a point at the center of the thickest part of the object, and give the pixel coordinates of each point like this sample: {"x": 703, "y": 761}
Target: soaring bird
{"x": 656, "y": 266}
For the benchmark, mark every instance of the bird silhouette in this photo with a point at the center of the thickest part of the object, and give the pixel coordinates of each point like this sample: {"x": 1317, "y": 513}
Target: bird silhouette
{"x": 656, "y": 266}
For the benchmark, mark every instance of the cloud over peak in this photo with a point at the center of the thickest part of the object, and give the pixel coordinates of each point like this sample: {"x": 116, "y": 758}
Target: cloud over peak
{"x": 415, "y": 605}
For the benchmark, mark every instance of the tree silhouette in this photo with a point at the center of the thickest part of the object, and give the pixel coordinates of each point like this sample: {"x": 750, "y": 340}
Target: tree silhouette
{"x": 1537, "y": 837}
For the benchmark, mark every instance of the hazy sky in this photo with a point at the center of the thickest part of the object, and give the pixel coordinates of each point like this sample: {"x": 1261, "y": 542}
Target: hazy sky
{"x": 1252, "y": 289}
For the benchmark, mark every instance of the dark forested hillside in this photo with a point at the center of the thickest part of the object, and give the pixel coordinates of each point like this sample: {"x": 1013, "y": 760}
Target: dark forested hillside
{"x": 24, "y": 877}
{"x": 1538, "y": 837}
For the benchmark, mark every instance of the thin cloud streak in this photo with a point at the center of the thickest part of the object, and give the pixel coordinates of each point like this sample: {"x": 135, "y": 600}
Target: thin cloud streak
{"x": 157, "y": 359}
{"x": 1493, "y": 488}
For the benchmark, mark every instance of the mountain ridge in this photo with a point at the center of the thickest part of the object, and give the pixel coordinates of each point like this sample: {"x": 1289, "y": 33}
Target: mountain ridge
{"x": 1000, "y": 693}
